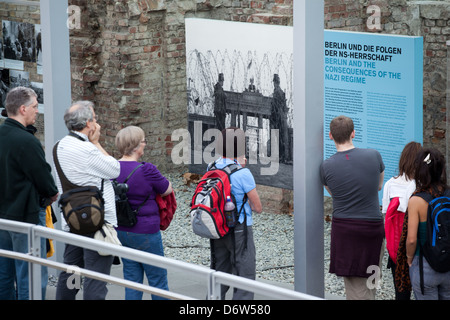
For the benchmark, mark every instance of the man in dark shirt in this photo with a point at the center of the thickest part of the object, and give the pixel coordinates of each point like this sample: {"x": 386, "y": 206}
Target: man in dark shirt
{"x": 353, "y": 177}
{"x": 27, "y": 185}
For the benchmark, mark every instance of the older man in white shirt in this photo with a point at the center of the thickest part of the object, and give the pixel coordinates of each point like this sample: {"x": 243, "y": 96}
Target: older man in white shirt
{"x": 85, "y": 163}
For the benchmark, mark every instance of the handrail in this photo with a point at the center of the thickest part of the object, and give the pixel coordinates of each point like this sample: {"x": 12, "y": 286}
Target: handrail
{"x": 95, "y": 275}
{"x": 213, "y": 279}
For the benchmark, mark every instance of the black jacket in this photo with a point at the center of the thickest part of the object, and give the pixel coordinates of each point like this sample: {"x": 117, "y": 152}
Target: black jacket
{"x": 25, "y": 176}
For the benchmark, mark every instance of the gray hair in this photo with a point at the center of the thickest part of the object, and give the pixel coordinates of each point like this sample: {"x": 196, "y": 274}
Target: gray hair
{"x": 18, "y": 96}
{"x": 128, "y": 139}
{"x": 77, "y": 116}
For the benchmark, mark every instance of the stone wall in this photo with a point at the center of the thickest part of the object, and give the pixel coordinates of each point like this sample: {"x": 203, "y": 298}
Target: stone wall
{"x": 137, "y": 73}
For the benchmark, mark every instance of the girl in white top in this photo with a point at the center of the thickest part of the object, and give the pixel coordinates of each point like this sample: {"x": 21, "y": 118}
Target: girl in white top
{"x": 401, "y": 186}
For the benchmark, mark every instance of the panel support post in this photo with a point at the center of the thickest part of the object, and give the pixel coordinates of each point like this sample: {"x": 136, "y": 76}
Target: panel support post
{"x": 56, "y": 69}
{"x": 56, "y": 76}
{"x": 308, "y": 146}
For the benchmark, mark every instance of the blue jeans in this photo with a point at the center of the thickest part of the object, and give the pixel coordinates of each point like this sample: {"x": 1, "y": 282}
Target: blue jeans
{"x": 436, "y": 285}
{"x": 134, "y": 271}
{"x": 14, "y": 281}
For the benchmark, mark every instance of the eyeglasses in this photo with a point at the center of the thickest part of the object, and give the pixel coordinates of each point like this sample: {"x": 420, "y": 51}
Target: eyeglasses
{"x": 35, "y": 106}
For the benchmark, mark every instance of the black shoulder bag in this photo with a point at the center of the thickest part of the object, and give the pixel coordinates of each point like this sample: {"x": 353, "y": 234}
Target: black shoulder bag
{"x": 126, "y": 216}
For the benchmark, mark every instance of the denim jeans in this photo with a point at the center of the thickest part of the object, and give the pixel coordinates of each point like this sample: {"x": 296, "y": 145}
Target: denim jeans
{"x": 134, "y": 271}
{"x": 436, "y": 285}
{"x": 14, "y": 280}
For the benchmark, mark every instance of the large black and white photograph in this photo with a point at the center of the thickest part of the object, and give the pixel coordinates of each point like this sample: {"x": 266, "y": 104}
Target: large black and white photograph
{"x": 241, "y": 75}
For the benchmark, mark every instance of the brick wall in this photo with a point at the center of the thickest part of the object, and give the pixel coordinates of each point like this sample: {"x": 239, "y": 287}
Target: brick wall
{"x": 129, "y": 58}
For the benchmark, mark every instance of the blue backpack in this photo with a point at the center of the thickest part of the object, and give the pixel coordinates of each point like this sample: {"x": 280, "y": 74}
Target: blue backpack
{"x": 436, "y": 248}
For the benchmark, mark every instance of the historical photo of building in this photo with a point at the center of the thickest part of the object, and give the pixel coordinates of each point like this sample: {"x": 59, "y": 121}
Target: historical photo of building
{"x": 241, "y": 74}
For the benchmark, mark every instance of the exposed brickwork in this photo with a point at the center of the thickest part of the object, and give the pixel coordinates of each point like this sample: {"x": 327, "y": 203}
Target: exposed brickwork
{"x": 129, "y": 58}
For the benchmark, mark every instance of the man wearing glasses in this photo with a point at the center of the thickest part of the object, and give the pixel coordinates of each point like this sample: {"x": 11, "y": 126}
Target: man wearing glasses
{"x": 84, "y": 162}
{"x": 27, "y": 186}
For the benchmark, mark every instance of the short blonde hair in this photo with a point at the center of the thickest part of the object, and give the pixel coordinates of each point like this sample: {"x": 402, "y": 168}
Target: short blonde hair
{"x": 128, "y": 139}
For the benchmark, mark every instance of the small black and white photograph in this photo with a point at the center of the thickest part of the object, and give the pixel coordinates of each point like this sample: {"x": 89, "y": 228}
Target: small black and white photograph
{"x": 19, "y": 41}
{"x": 241, "y": 75}
{"x": 38, "y": 87}
{"x": 19, "y": 79}
{"x": 4, "y": 86}
{"x": 38, "y": 42}
{"x": 2, "y": 55}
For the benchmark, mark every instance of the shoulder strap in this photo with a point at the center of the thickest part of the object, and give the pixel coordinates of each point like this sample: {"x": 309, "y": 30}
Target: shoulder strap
{"x": 134, "y": 170}
{"x": 230, "y": 168}
{"x": 72, "y": 134}
{"x": 425, "y": 196}
{"x": 129, "y": 176}
{"x": 65, "y": 183}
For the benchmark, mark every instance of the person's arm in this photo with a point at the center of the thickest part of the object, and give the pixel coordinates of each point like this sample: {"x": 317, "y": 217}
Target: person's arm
{"x": 254, "y": 201}
{"x": 380, "y": 183}
{"x": 415, "y": 206}
{"x": 36, "y": 168}
{"x": 168, "y": 191}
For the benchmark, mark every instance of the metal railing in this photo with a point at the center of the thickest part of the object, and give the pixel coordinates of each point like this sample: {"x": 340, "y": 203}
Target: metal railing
{"x": 213, "y": 279}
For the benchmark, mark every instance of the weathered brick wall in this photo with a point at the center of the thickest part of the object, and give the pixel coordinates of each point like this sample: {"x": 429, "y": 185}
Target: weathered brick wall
{"x": 129, "y": 58}
{"x": 435, "y": 28}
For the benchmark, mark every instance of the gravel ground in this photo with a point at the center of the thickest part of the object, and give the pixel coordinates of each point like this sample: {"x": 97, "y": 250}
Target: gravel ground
{"x": 274, "y": 240}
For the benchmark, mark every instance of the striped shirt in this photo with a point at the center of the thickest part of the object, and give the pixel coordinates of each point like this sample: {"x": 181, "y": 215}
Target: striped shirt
{"x": 85, "y": 165}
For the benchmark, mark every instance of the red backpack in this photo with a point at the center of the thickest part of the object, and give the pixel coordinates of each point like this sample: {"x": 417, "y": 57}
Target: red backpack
{"x": 207, "y": 206}
{"x": 393, "y": 228}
